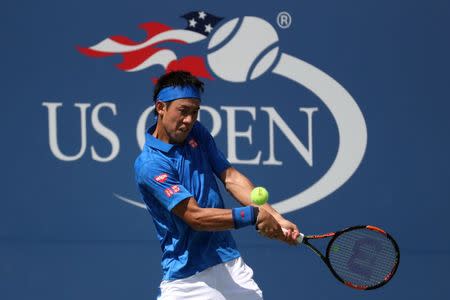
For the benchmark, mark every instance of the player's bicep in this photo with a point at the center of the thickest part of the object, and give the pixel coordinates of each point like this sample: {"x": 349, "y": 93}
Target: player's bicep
{"x": 217, "y": 159}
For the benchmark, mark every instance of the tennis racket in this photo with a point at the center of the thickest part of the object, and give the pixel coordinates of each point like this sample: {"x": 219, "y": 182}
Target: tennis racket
{"x": 362, "y": 257}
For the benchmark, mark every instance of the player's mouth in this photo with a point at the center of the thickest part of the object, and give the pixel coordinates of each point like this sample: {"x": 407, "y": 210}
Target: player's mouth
{"x": 184, "y": 129}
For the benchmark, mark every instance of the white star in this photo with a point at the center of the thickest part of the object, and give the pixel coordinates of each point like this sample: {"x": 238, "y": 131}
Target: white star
{"x": 208, "y": 28}
{"x": 192, "y": 22}
{"x": 202, "y": 15}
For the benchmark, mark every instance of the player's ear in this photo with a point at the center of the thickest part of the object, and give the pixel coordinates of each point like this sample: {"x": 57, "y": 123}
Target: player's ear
{"x": 160, "y": 108}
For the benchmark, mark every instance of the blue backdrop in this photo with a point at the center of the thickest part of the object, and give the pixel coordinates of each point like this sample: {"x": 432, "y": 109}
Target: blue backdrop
{"x": 66, "y": 231}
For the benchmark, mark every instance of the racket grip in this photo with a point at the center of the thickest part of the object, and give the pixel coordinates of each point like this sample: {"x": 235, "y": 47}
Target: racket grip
{"x": 300, "y": 237}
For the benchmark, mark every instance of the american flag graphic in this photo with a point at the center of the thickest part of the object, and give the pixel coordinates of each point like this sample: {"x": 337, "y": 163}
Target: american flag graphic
{"x": 138, "y": 56}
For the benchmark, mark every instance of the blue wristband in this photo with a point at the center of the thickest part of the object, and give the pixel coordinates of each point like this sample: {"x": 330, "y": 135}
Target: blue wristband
{"x": 244, "y": 216}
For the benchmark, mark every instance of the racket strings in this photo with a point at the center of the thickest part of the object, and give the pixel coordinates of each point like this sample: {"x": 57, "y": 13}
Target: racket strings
{"x": 363, "y": 257}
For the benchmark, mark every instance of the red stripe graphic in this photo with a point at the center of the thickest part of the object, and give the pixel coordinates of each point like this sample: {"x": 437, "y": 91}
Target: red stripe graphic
{"x": 138, "y": 56}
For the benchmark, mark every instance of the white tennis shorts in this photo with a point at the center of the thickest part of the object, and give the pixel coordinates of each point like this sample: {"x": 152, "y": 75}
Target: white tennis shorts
{"x": 230, "y": 280}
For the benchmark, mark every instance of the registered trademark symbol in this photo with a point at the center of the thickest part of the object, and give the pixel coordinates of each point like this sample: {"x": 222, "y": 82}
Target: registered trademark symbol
{"x": 284, "y": 19}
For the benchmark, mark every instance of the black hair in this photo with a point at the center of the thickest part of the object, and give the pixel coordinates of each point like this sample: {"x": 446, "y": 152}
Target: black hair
{"x": 176, "y": 78}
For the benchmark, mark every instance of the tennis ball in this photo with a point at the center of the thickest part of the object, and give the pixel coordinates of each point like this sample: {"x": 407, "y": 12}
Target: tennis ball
{"x": 259, "y": 195}
{"x": 238, "y": 49}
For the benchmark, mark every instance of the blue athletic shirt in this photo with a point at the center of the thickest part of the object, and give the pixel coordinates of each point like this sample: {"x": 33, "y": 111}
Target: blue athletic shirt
{"x": 166, "y": 175}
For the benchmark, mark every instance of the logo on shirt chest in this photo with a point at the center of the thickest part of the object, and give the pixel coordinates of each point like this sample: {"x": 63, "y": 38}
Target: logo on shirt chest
{"x": 193, "y": 143}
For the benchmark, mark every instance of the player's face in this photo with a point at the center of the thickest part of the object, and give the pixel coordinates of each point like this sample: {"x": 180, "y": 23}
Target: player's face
{"x": 178, "y": 119}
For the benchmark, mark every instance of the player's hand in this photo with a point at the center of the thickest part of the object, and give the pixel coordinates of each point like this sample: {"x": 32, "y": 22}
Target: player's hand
{"x": 292, "y": 232}
{"x": 268, "y": 226}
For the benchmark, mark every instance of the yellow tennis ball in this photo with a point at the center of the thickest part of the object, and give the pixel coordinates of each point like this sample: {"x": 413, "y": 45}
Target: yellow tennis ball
{"x": 259, "y": 195}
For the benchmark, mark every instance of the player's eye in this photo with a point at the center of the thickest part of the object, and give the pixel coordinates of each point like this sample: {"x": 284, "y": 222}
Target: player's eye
{"x": 185, "y": 111}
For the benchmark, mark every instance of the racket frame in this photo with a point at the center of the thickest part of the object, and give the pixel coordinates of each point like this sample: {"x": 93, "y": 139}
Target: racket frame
{"x": 304, "y": 239}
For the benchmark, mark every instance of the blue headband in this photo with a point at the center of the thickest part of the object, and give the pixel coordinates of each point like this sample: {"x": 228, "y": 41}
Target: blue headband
{"x": 171, "y": 93}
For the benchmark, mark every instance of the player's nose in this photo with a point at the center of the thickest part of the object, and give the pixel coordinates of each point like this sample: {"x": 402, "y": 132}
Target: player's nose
{"x": 188, "y": 119}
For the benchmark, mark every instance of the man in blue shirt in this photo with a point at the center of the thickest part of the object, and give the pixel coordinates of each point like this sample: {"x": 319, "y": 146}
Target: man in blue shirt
{"x": 176, "y": 176}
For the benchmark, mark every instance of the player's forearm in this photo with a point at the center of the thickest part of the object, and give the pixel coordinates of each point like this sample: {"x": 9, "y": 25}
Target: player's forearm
{"x": 214, "y": 219}
{"x": 237, "y": 185}
{"x": 211, "y": 219}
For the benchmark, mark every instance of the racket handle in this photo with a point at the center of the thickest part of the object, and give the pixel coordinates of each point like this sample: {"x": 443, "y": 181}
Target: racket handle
{"x": 300, "y": 237}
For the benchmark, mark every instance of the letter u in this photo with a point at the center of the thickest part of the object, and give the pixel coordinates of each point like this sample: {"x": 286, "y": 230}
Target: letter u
{"x": 52, "y": 108}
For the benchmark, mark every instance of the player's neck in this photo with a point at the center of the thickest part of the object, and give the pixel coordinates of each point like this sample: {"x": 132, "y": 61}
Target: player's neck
{"x": 161, "y": 134}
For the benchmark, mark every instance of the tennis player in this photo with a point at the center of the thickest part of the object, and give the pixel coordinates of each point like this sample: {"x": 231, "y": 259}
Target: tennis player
{"x": 176, "y": 176}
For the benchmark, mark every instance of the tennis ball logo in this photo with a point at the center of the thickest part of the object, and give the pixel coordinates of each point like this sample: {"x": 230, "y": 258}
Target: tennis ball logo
{"x": 244, "y": 50}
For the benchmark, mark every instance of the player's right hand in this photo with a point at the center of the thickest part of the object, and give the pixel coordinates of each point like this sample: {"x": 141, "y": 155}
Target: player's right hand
{"x": 268, "y": 226}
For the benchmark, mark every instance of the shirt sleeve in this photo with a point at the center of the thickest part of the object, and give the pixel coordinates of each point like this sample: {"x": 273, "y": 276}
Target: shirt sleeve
{"x": 158, "y": 178}
{"x": 216, "y": 158}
